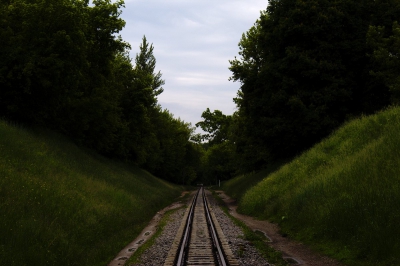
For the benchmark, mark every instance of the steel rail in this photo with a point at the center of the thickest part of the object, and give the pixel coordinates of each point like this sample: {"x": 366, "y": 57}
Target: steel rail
{"x": 218, "y": 249}
{"x": 186, "y": 236}
{"x": 184, "y": 246}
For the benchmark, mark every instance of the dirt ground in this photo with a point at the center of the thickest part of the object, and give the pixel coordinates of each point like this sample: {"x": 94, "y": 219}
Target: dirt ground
{"x": 290, "y": 249}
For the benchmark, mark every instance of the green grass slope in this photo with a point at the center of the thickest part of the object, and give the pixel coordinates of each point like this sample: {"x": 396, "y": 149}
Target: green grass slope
{"x": 60, "y": 205}
{"x": 343, "y": 195}
{"x": 237, "y": 187}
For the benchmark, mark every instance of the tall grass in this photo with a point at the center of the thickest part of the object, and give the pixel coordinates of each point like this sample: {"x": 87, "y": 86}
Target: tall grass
{"x": 343, "y": 195}
{"x": 237, "y": 187}
{"x": 60, "y": 205}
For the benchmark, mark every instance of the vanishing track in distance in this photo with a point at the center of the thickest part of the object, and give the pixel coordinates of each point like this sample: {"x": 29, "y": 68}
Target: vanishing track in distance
{"x": 200, "y": 240}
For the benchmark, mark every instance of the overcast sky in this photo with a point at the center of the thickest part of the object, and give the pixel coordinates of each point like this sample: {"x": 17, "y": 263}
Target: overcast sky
{"x": 193, "y": 41}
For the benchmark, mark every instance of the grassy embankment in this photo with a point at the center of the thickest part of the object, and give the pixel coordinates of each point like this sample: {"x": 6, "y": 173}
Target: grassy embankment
{"x": 60, "y": 205}
{"x": 342, "y": 196}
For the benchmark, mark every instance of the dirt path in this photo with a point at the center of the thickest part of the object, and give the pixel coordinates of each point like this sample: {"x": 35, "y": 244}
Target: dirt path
{"x": 290, "y": 249}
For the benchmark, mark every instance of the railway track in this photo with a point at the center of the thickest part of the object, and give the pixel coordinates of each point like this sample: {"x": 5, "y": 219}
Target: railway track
{"x": 200, "y": 240}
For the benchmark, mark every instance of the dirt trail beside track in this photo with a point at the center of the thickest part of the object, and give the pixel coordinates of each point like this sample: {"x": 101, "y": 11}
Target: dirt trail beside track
{"x": 290, "y": 249}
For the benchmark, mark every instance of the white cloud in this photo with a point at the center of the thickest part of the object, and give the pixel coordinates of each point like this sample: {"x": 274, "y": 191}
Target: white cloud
{"x": 193, "y": 41}
{"x": 188, "y": 79}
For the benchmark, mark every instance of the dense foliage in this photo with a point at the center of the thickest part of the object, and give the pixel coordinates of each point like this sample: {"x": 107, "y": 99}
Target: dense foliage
{"x": 305, "y": 67}
{"x": 218, "y": 161}
{"x": 62, "y": 66}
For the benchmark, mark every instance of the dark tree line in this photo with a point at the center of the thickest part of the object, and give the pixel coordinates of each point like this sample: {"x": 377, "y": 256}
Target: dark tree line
{"x": 218, "y": 161}
{"x": 63, "y": 66}
{"x": 305, "y": 67}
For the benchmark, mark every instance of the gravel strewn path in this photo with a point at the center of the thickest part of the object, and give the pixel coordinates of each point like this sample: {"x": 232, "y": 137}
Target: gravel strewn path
{"x": 247, "y": 255}
{"x": 290, "y": 249}
{"x": 156, "y": 254}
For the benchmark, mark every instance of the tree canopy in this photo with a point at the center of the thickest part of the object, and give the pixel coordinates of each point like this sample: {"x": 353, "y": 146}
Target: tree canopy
{"x": 216, "y": 125}
{"x": 219, "y": 157}
{"x": 63, "y": 66}
{"x": 304, "y": 69}
{"x": 386, "y": 57}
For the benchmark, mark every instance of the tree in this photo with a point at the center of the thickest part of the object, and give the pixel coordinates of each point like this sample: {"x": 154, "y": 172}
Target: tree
{"x": 145, "y": 65}
{"x": 246, "y": 70}
{"x": 41, "y": 59}
{"x": 177, "y": 159}
{"x": 303, "y": 71}
{"x": 91, "y": 115}
{"x": 56, "y": 64}
{"x": 219, "y": 159}
{"x": 219, "y": 163}
{"x": 386, "y": 57}
{"x": 139, "y": 103}
{"x": 216, "y": 124}
{"x": 62, "y": 66}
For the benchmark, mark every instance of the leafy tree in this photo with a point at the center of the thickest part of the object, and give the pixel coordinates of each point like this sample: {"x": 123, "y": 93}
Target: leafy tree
{"x": 39, "y": 57}
{"x": 385, "y": 55}
{"x": 219, "y": 159}
{"x": 139, "y": 102}
{"x": 246, "y": 70}
{"x": 62, "y": 66}
{"x": 219, "y": 163}
{"x": 56, "y": 66}
{"x": 177, "y": 159}
{"x": 145, "y": 65}
{"x": 93, "y": 116}
{"x": 216, "y": 124}
{"x": 153, "y": 138}
{"x": 303, "y": 71}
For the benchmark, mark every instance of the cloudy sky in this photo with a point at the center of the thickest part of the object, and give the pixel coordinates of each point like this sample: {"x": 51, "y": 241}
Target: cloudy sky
{"x": 193, "y": 41}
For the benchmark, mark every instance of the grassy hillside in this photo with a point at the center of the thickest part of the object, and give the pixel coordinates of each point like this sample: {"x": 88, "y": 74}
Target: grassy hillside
{"x": 343, "y": 195}
{"x": 60, "y": 205}
{"x": 237, "y": 187}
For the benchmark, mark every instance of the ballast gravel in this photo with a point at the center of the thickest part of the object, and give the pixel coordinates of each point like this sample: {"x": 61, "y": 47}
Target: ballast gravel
{"x": 245, "y": 253}
{"x": 157, "y": 253}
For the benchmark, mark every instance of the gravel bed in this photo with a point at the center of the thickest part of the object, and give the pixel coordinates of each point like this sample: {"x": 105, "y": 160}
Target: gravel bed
{"x": 157, "y": 253}
{"x": 246, "y": 254}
